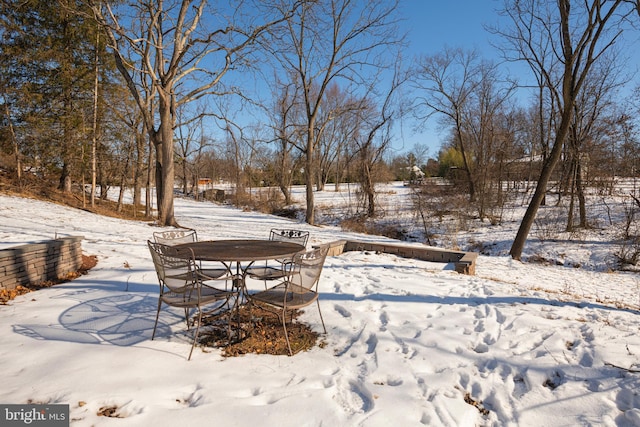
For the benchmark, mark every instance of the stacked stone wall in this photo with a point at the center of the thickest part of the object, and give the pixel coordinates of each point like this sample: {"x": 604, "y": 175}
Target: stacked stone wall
{"x": 463, "y": 262}
{"x": 34, "y": 263}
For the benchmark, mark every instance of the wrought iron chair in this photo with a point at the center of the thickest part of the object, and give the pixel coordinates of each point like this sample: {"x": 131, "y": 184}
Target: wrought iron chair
{"x": 188, "y": 235}
{"x": 274, "y": 272}
{"x": 182, "y": 285}
{"x": 299, "y": 288}
{"x": 175, "y": 237}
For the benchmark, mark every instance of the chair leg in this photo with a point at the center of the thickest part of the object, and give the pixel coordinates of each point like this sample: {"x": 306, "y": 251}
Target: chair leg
{"x": 229, "y": 328}
{"x": 249, "y": 307}
{"x": 239, "y": 323}
{"x": 186, "y": 317}
{"x": 321, "y": 319}
{"x": 157, "y": 316}
{"x": 195, "y": 337}
{"x": 286, "y": 334}
{"x": 230, "y": 310}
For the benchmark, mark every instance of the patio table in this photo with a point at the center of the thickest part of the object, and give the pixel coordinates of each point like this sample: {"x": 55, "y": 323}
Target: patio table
{"x": 241, "y": 251}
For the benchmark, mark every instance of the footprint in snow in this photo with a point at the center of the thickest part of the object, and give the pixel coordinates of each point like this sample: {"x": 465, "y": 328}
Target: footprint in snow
{"x": 520, "y": 386}
{"x": 374, "y": 279}
{"x": 354, "y": 397}
{"x": 384, "y": 320}
{"x": 342, "y": 311}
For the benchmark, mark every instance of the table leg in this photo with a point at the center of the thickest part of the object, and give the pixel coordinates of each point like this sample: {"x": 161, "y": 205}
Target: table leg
{"x": 239, "y": 281}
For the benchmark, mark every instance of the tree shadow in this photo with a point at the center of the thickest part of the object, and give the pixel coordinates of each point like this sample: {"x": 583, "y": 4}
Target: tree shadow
{"x": 121, "y": 320}
{"x": 472, "y": 301}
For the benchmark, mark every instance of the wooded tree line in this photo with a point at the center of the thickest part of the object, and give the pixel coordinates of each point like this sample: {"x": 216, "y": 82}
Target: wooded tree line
{"x": 274, "y": 92}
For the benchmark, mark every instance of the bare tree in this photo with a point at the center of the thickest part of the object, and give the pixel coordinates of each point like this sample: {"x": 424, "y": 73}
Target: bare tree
{"x": 593, "y": 107}
{"x": 283, "y": 117}
{"x": 471, "y": 98}
{"x": 189, "y": 145}
{"x": 169, "y": 55}
{"x": 489, "y": 133}
{"x": 336, "y": 125}
{"x": 571, "y": 37}
{"x": 446, "y": 82}
{"x": 375, "y": 134}
{"x": 329, "y": 41}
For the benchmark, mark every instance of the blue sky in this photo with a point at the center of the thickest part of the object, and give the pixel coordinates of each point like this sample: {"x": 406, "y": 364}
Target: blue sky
{"x": 430, "y": 26}
{"x": 434, "y": 24}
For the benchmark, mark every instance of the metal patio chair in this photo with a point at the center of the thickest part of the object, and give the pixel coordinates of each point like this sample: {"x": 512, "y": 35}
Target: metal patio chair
{"x": 188, "y": 235}
{"x": 175, "y": 237}
{"x": 182, "y": 285}
{"x": 298, "y": 289}
{"x": 276, "y": 271}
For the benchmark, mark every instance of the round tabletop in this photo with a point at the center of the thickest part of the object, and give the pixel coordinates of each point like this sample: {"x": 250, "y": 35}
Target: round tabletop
{"x": 242, "y": 249}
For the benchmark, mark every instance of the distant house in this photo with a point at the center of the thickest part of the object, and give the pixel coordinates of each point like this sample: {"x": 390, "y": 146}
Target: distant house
{"x": 415, "y": 171}
{"x": 415, "y": 175}
{"x": 203, "y": 182}
{"x": 524, "y": 168}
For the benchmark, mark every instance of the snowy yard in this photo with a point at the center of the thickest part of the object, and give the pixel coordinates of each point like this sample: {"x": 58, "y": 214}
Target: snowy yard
{"x": 409, "y": 342}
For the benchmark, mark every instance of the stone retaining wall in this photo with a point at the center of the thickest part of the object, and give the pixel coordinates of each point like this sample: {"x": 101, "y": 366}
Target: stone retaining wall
{"x": 464, "y": 262}
{"x": 34, "y": 263}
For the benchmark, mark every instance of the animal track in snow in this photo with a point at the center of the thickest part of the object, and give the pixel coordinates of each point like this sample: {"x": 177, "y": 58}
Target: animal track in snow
{"x": 554, "y": 380}
{"x": 372, "y": 343}
{"x": 384, "y": 320}
{"x": 342, "y": 311}
{"x": 404, "y": 347}
{"x": 195, "y": 397}
{"x": 520, "y": 386}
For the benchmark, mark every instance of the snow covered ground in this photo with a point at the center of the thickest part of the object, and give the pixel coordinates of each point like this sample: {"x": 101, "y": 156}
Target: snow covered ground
{"x": 409, "y": 342}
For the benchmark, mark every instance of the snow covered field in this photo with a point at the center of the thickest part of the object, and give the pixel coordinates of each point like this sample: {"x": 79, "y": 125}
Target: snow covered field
{"x": 409, "y": 342}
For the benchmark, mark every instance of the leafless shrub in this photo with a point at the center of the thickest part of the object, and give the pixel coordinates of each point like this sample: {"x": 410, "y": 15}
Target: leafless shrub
{"x": 440, "y": 209}
{"x": 630, "y": 210}
{"x": 266, "y": 200}
{"x": 356, "y": 224}
{"x": 628, "y": 252}
{"x": 550, "y": 224}
{"x": 362, "y": 224}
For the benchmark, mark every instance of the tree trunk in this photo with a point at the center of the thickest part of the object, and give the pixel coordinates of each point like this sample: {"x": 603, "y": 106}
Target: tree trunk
{"x": 309, "y": 173}
{"x": 124, "y": 175}
{"x": 581, "y": 197}
{"x": 541, "y": 188}
{"x": 185, "y": 186}
{"x": 65, "y": 178}
{"x": 123, "y": 188}
{"x": 147, "y": 190}
{"x": 571, "y": 186}
{"x": 285, "y": 192}
{"x": 467, "y": 166}
{"x": 137, "y": 173}
{"x": 371, "y": 202}
{"x": 94, "y": 124}
{"x": 14, "y": 143}
{"x": 283, "y": 173}
{"x": 164, "y": 159}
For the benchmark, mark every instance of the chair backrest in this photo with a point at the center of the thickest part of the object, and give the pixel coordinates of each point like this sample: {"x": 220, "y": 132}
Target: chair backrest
{"x": 289, "y": 235}
{"x": 176, "y": 269}
{"x": 307, "y": 267}
{"x": 175, "y": 237}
